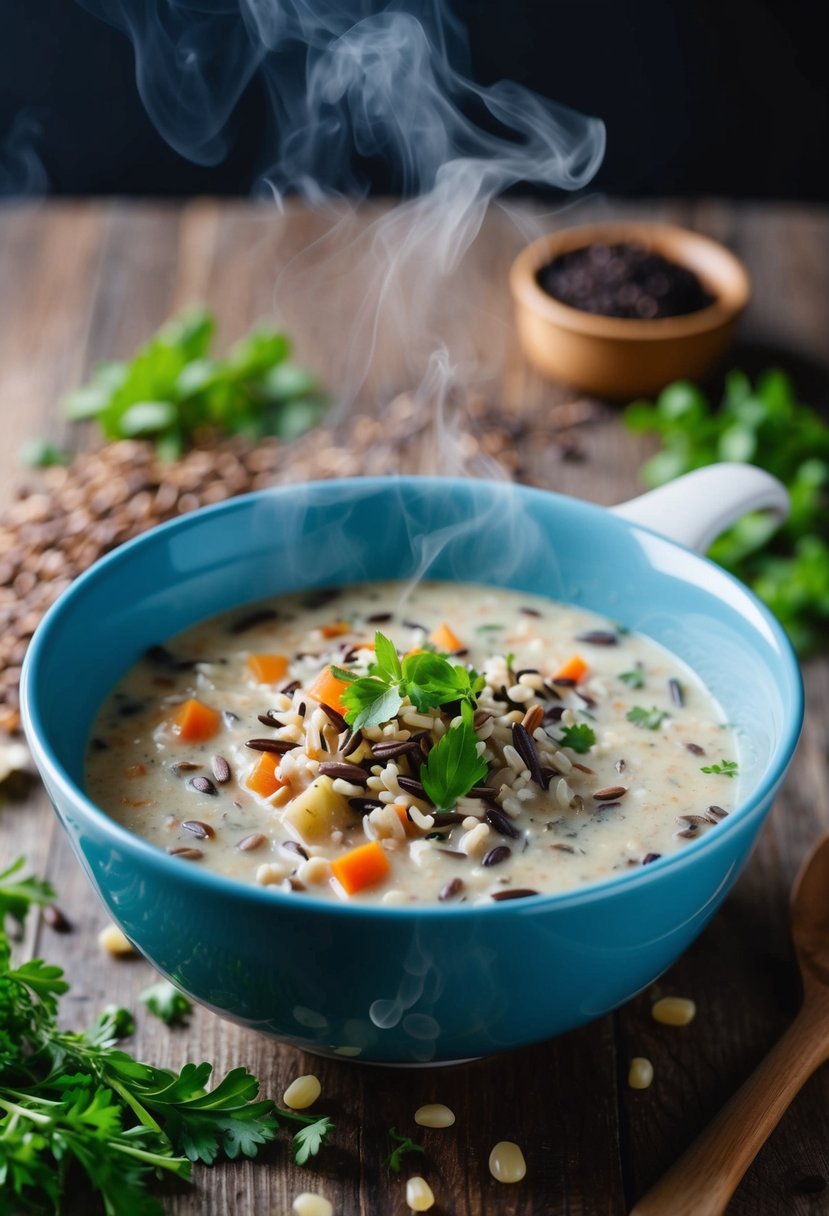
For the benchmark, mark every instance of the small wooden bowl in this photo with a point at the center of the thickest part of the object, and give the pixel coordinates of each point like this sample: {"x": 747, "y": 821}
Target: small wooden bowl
{"x": 618, "y": 357}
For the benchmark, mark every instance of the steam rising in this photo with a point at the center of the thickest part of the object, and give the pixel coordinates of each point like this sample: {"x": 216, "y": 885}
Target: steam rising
{"x": 348, "y": 88}
{"x": 21, "y": 170}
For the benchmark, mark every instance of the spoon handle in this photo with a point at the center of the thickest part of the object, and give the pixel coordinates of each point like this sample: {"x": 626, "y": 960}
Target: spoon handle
{"x": 706, "y": 1176}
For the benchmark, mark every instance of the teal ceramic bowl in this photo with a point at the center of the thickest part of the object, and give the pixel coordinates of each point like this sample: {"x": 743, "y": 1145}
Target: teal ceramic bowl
{"x": 436, "y": 983}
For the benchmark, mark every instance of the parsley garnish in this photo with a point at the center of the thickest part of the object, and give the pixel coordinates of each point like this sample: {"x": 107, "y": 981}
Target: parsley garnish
{"x": 394, "y": 1161}
{"x": 728, "y": 768}
{"x": 18, "y": 895}
{"x": 426, "y": 678}
{"x": 453, "y": 765}
{"x": 74, "y": 1104}
{"x": 647, "y": 719}
{"x": 578, "y": 738}
{"x": 633, "y": 679}
{"x": 166, "y": 1002}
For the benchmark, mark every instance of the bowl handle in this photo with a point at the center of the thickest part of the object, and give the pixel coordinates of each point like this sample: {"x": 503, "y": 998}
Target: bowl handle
{"x": 696, "y": 508}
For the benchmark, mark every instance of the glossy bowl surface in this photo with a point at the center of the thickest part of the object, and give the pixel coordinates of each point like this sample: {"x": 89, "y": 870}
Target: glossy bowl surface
{"x": 619, "y": 357}
{"x": 406, "y": 985}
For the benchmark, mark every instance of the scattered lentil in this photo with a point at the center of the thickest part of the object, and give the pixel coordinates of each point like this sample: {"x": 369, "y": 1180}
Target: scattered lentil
{"x": 115, "y": 942}
{"x": 673, "y": 1011}
{"x": 434, "y": 1114}
{"x": 640, "y": 1073}
{"x": 419, "y": 1195}
{"x": 506, "y": 1162}
{"x": 311, "y": 1203}
{"x": 302, "y": 1092}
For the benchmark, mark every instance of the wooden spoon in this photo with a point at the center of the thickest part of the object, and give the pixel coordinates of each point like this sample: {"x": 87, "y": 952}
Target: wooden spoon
{"x": 706, "y": 1176}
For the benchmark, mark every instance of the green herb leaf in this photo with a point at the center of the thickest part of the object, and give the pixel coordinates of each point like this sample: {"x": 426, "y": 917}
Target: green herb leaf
{"x": 394, "y": 1161}
{"x": 647, "y": 719}
{"x": 166, "y": 1002}
{"x": 309, "y": 1140}
{"x": 18, "y": 895}
{"x": 764, "y": 424}
{"x": 172, "y": 388}
{"x": 728, "y": 768}
{"x": 634, "y": 678}
{"x": 453, "y": 766}
{"x": 387, "y": 659}
{"x": 578, "y": 738}
{"x": 74, "y": 1104}
{"x": 370, "y": 702}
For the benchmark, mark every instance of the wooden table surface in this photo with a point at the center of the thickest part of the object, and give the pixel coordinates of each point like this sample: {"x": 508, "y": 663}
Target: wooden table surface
{"x": 83, "y": 281}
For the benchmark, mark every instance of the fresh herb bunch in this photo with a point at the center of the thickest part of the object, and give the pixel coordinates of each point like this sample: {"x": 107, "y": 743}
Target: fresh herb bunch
{"x": 429, "y": 680}
{"x": 173, "y": 387}
{"x": 764, "y": 425}
{"x": 75, "y": 1104}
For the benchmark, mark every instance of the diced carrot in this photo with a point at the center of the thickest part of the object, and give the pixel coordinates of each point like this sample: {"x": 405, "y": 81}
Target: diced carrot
{"x": 267, "y": 668}
{"x": 574, "y": 669}
{"x": 328, "y": 690}
{"x": 195, "y": 721}
{"x": 415, "y": 650}
{"x": 444, "y": 639}
{"x": 402, "y": 814}
{"x": 335, "y": 630}
{"x": 361, "y": 867}
{"x": 263, "y": 780}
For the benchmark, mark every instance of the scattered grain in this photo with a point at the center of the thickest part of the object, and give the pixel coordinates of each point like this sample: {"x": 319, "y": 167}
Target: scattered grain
{"x": 302, "y": 1092}
{"x": 673, "y": 1011}
{"x": 506, "y": 1162}
{"x": 640, "y": 1073}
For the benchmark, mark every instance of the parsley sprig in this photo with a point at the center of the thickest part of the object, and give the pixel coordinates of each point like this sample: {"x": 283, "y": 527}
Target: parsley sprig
{"x": 404, "y": 1145}
{"x": 579, "y": 738}
{"x": 165, "y": 1001}
{"x": 426, "y": 678}
{"x": 728, "y": 768}
{"x": 429, "y": 680}
{"x": 75, "y": 1104}
{"x": 646, "y": 719}
{"x": 18, "y": 895}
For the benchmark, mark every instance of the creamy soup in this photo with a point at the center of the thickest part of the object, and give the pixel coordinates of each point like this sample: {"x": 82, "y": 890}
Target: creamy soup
{"x": 444, "y": 743}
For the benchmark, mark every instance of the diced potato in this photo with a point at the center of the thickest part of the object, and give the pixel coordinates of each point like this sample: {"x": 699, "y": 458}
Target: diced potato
{"x": 318, "y": 811}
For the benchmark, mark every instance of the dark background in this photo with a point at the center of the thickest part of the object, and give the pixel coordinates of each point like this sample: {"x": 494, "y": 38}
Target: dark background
{"x": 715, "y": 97}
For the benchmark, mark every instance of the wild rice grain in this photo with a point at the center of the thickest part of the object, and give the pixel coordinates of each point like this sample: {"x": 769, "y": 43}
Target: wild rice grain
{"x": 513, "y": 893}
{"x": 610, "y": 794}
{"x": 252, "y": 842}
{"x": 649, "y": 857}
{"x": 453, "y": 888}
{"x": 598, "y": 637}
{"x": 183, "y": 766}
{"x": 715, "y": 813}
{"x": 186, "y": 854}
{"x": 677, "y": 692}
{"x": 202, "y": 785}
{"x": 497, "y": 856}
{"x": 56, "y": 920}
{"x": 345, "y": 772}
{"x": 221, "y": 769}
{"x": 279, "y": 747}
{"x": 499, "y": 823}
{"x": 202, "y": 831}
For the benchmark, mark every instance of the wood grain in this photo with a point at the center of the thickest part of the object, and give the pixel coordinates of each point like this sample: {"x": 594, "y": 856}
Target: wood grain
{"x": 86, "y": 281}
